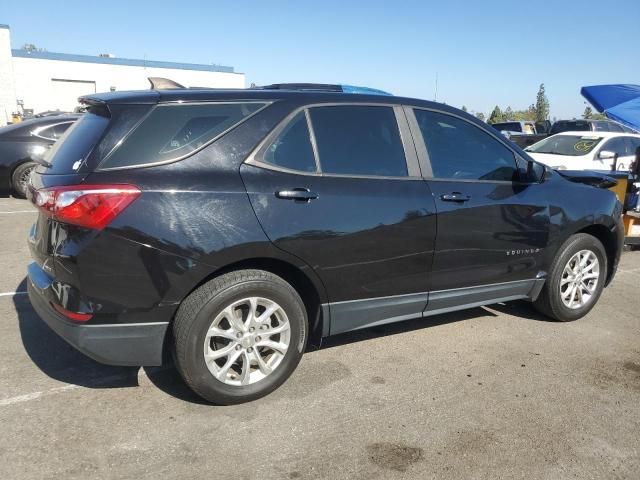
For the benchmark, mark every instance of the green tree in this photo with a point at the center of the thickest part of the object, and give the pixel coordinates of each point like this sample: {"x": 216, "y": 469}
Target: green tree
{"x": 480, "y": 116}
{"x": 542, "y": 105}
{"x": 496, "y": 115}
{"x": 464, "y": 108}
{"x": 588, "y": 113}
{"x": 508, "y": 114}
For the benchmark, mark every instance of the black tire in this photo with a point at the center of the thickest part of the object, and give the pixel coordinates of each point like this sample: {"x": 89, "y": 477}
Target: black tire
{"x": 196, "y": 314}
{"x": 549, "y": 302}
{"x": 18, "y": 183}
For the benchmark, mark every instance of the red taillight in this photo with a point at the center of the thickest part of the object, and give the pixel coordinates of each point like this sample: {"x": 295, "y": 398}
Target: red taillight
{"x": 75, "y": 316}
{"x": 89, "y": 206}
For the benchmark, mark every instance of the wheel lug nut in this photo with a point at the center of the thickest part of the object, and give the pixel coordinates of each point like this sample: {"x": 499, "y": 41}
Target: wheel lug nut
{"x": 249, "y": 349}
{"x": 239, "y": 335}
{"x": 251, "y": 329}
{"x": 238, "y": 347}
{"x": 258, "y": 338}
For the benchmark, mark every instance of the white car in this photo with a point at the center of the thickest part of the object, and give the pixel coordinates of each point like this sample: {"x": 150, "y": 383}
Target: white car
{"x": 587, "y": 150}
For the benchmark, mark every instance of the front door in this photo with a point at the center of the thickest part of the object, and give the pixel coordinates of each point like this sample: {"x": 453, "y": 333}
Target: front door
{"x": 492, "y": 227}
{"x": 352, "y": 205}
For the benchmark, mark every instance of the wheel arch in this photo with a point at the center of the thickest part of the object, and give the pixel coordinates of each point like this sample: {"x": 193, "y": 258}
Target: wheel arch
{"x": 306, "y": 283}
{"x": 609, "y": 241}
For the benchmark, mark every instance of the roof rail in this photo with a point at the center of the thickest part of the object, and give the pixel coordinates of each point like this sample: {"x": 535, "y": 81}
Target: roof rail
{"x": 323, "y": 87}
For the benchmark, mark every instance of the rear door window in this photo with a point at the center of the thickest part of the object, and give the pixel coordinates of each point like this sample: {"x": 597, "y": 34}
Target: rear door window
{"x": 358, "y": 140}
{"x": 459, "y": 150}
{"x": 171, "y": 132}
{"x": 292, "y": 148}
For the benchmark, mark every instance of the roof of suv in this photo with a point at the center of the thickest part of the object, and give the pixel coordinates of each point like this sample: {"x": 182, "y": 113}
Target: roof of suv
{"x": 211, "y": 94}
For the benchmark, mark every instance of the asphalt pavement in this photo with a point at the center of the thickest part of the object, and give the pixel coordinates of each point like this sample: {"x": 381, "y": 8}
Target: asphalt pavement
{"x": 488, "y": 393}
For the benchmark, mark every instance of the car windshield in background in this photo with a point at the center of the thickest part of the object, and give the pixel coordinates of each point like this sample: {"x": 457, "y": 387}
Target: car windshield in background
{"x": 508, "y": 126}
{"x": 571, "y": 145}
{"x": 570, "y": 126}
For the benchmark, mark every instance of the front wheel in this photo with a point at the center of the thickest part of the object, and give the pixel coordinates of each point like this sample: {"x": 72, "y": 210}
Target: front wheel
{"x": 239, "y": 336}
{"x": 576, "y": 279}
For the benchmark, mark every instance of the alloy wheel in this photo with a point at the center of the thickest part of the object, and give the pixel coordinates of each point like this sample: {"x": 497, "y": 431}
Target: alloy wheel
{"x": 579, "y": 279}
{"x": 247, "y": 341}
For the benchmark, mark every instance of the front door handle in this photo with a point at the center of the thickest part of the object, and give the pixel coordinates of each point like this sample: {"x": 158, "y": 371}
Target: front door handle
{"x": 302, "y": 194}
{"x": 455, "y": 197}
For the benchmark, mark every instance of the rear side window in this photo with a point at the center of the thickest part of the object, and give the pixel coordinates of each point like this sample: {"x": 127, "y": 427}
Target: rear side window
{"x": 460, "y": 150}
{"x": 292, "y": 147}
{"x": 67, "y": 156}
{"x": 358, "y": 140}
{"x": 171, "y": 132}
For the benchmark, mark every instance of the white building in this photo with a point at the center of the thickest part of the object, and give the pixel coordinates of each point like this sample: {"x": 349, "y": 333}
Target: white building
{"x": 40, "y": 81}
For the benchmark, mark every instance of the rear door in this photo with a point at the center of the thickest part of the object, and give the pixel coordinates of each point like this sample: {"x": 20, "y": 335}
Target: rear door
{"x": 339, "y": 186}
{"x": 492, "y": 228}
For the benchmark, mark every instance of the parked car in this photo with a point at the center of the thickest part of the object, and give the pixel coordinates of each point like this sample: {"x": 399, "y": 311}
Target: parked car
{"x": 589, "y": 126}
{"x": 523, "y": 133}
{"x": 587, "y": 151}
{"x": 234, "y": 227}
{"x": 20, "y": 142}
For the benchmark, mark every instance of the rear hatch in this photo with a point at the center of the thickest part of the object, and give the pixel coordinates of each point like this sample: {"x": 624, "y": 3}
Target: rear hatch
{"x": 71, "y": 159}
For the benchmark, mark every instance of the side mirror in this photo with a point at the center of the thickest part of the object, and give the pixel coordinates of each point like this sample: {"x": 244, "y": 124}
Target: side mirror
{"x": 606, "y": 155}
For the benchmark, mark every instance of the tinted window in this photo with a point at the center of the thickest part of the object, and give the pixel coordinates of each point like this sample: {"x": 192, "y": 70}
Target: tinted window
{"x": 571, "y": 145}
{"x": 617, "y": 145}
{"x": 508, "y": 126}
{"x": 570, "y": 126}
{"x": 173, "y": 131}
{"x": 292, "y": 148}
{"x": 66, "y": 156}
{"x": 58, "y": 130}
{"x": 358, "y": 140}
{"x": 458, "y": 149}
{"x": 614, "y": 127}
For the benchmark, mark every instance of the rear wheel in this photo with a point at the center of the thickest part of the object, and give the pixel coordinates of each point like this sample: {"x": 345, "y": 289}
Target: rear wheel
{"x": 20, "y": 178}
{"x": 576, "y": 279}
{"x": 239, "y": 336}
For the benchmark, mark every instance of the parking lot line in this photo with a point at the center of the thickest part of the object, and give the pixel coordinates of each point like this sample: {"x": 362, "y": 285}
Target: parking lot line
{"x": 19, "y": 211}
{"x": 5, "y": 402}
{"x": 12, "y": 294}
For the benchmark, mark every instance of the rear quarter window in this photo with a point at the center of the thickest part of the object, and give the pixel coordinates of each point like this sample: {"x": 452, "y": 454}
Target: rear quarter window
{"x": 171, "y": 132}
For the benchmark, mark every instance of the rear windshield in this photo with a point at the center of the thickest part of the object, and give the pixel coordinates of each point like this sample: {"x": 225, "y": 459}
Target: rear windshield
{"x": 575, "y": 126}
{"x": 70, "y": 151}
{"x": 173, "y": 131}
{"x": 571, "y": 145}
{"x": 509, "y": 126}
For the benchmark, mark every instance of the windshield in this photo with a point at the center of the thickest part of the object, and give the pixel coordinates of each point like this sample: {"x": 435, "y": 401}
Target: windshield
{"x": 571, "y": 145}
{"x": 509, "y": 126}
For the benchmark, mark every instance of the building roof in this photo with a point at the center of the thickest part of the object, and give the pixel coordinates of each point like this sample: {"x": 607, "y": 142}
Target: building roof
{"x": 70, "y": 57}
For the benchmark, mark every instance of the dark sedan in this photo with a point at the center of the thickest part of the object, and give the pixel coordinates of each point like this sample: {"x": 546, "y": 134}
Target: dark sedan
{"x": 20, "y": 143}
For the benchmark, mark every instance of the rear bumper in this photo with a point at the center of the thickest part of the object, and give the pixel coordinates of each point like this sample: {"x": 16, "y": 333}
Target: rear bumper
{"x": 135, "y": 344}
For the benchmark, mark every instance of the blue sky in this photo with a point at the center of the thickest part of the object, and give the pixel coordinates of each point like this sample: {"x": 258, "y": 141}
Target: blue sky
{"x": 484, "y": 52}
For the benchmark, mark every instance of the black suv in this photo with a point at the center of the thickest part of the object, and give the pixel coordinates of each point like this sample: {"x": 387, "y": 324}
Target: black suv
{"x": 234, "y": 227}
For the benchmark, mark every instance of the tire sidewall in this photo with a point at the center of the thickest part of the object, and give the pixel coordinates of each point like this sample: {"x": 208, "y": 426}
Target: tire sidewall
{"x": 573, "y": 246}
{"x": 209, "y": 386}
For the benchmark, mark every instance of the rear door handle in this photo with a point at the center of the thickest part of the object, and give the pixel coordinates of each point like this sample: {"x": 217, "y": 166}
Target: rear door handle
{"x": 303, "y": 194}
{"x": 455, "y": 197}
